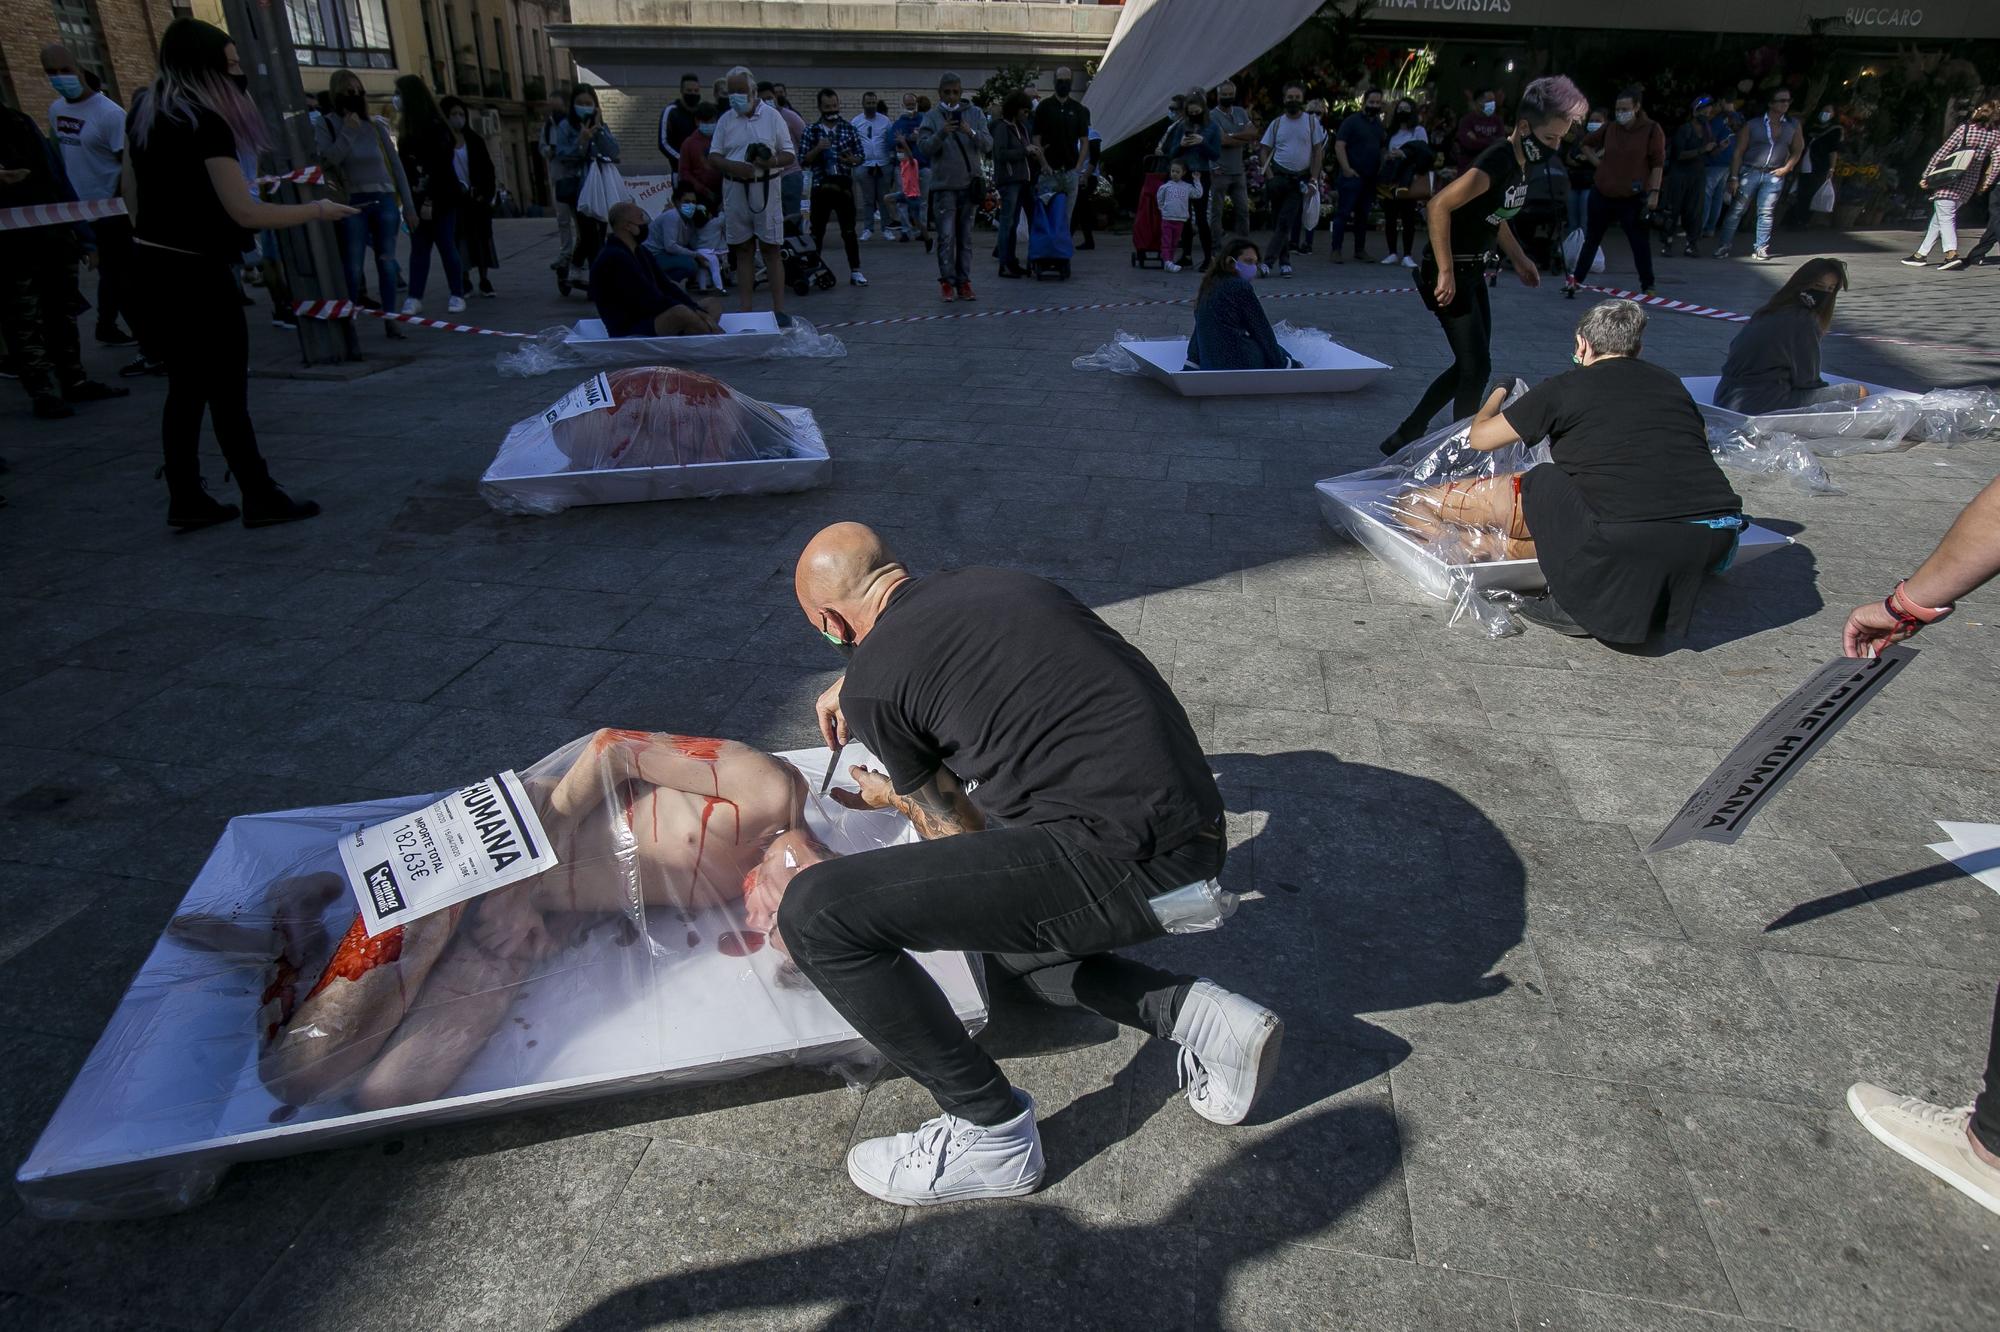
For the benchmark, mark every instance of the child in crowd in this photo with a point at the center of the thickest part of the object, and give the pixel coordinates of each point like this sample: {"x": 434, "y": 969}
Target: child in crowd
{"x": 910, "y": 181}
{"x": 1176, "y": 195}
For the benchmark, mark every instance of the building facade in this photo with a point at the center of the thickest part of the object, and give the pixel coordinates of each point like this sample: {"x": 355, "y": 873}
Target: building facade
{"x": 635, "y": 51}
{"x": 117, "y": 40}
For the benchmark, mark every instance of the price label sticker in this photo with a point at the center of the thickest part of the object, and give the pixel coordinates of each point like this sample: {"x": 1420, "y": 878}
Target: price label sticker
{"x": 592, "y": 395}
{"x": 478, "y": 838}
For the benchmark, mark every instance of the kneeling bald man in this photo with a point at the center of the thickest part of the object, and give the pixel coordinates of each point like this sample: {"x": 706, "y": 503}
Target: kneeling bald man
{"x": 1058, "y": 787}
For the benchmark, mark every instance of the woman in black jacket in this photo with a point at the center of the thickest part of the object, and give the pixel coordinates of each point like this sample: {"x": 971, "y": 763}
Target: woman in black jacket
{"x": 473, "y": 166}
{"x": 427, "y": 149}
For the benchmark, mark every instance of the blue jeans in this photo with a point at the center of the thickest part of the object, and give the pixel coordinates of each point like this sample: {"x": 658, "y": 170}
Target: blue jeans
{"x": 1013, "y": 203}
{"x": 1578, "y": 204}
{"x": 1712, "y": 177}
{"x": 1763, "y": 188}
{"x": 441, "y": 231}
{"x": 1355, "y": 196}
{"x": 792, "y": 193}
{"x": 375, "y": 225}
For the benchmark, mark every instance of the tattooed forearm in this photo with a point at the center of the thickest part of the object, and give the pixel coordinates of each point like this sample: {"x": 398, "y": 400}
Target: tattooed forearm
{"x": 934, "y": 814}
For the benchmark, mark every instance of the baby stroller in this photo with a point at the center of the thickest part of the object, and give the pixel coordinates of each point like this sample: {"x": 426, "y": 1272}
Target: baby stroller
{"x": 1049, "y": 246}
{"x": 804, "y": 268}
{"x": 1146, "y": 222}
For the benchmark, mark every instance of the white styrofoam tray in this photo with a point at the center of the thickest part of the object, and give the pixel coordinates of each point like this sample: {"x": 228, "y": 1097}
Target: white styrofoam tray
{"x": 537, "y": 473}
{"x": 1324, "y": 367}
{"x": 1805, "y": 423}
{"x": 171, "y": 1090}
{"x": 744, "y": 335}
{"x": 1352, "y": 505}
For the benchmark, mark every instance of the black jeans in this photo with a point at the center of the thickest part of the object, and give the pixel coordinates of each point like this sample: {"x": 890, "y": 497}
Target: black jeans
{"x": 1049, "y": 912}
{"x": 1200, "y": 210}
{"x": 1468, "y": 327}
{"x": 1399, "y": 224}
{"x": 1014, "y": 197}
{"x": 836, "y": 197}
{"x": 1680, "y": 202}
{"x": 1986, "y": 1108}
{"x": 1287, "y": 200}
{"x": 589, "y": 240}
{"x": 208, "y": 365}
{"x": 37, "y": 282}
{"x": 1630, "y": 214}
{"x": 1974, "y": 256}
{"x": 114, "y": 283}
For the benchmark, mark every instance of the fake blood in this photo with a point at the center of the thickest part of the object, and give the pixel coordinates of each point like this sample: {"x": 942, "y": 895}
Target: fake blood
{"x": 358, "y": 954}
{"x": 742, "y": 944}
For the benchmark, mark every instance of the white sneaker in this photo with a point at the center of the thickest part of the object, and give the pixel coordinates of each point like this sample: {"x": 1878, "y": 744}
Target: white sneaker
{"x": 868, "y": 233}
{"x": 1929, "y": 1135}
{"x": 1170, "y": 266}
{"x": 858, "y": 278}
{"x": 950, "y": 1160}
{"x": 413, "y": 306}
{"x": 456, "y": 305}
{"x": 1409, "y": 261}
{"x": 1263, "y": 270}
{"x": 1392, "y": 258}
{"x": 1284, "y": 270}
{"x": 1229, "y": 1051}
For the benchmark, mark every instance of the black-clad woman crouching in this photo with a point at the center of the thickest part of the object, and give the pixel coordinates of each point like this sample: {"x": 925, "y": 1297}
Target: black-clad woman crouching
{"x": 193, "y": 216}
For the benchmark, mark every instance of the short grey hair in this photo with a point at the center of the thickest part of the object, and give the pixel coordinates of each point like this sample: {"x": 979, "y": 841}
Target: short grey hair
{"x": 949, "y": 77}
{"x": 1613, "y": 328}
{"x": 744, "y": 70}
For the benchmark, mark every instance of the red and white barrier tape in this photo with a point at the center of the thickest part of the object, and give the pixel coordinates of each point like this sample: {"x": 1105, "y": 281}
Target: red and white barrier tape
{"x": 348, "y": 310}
{"x": 1730, "y": 316}
{"x": 89, "y": 210}
{"x": 1097, "y": 305}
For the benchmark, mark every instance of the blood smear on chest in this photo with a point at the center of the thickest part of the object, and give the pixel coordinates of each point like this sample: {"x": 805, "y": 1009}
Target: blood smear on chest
{"x": 741, "y": 944}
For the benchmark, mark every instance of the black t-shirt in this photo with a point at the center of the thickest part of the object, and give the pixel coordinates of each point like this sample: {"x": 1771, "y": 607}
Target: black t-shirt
{"x": 1037, "y": 705}
{"x": 1630, "y": 437}
{"x": 1059, "y": 124}
{"x": 178, "y": 205}
{"x": 1474, "y": 224}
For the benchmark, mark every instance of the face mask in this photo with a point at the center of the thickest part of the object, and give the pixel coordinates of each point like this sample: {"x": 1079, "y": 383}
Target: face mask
{"x": 948, "y": 103}
{"x": 687, "y": 210}
{"x": 1373, "y": 111}
{"x": 1623, "y": 117}
{"x": 69, "y": 85}
{"x": 829, "y": 116}
{"x": 709, "y": 128}
{"x": 1825, "y": 116}
{"x": 1594, "y": 126}
{"x": 1575, "y": 358}
{"x": 457, "y": 120}
{"x": 690, "y": 99}
{"x": 840, "y": 645}
{"x": 1196, "y": 112}
{"x": 1292, "y": 108}
{"x": 397, "y": 101}
{"x": 585, "y": 112}
{"x": 1812, "y": 298}
{"x": 739, "y": 102}
{"x": 1225, "y": 102}
{"x": 1062, "y": 87}
{"x": 1488, "y": 108}
{"x": 902, "y": 157}
{"x": 353, "y": 103}
{"x": 1246, "y": 270}
{"x": 1533, "y": 149}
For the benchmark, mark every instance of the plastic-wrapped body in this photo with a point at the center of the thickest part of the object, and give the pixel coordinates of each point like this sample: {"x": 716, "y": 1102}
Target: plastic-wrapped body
{"x": 266, "y": 1022}
{"x": 745, "y": 337}
{"x": 1448, "y": 518}
{"x": 653, "y": 433}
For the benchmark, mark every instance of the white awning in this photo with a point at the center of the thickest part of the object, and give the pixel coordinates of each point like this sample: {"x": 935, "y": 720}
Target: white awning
{"x": 1163, "y": 47}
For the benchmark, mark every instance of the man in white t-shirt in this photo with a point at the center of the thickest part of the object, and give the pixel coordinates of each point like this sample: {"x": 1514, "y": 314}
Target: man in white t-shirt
{"x": 875, "y": 179}
{"x": 89, "y": 129}
{"x": 753, "y": 209}
{"x": 1293, "y": 147}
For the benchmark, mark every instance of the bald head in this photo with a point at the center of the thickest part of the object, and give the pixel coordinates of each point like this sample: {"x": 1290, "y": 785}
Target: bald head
{"x": 625, "y": 211}
{"x": 844, "y": 577}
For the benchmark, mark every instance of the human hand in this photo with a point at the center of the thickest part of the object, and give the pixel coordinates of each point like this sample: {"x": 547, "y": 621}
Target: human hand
{"x": 328, "y": 211}
{"x": 1530, "y": 275}
{"x": 13, "y": 175}
{"x": 1446, "y": 290}
{"x": 1869, "y": 629}
{"x": 1491, "y": 407}
{"x": 352, "y": 119}
{"x": 876, "y": 791}
{"x": 90, "y": 260}
{"x": 832, "y": 723}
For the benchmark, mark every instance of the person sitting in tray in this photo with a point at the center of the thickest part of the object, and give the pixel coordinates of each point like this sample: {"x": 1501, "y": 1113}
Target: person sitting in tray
{"x": 1231, "y": 331}
{"x": 1773, "y": 363}
{"x": 637, "y": 821}
{"x": 633, "y": 297}
{"x": 1631, "y": 512}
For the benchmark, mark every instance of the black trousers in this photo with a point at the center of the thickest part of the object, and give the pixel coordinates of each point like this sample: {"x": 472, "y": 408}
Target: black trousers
{"x": 1630, "y": 214}
{"x": 1200, "y": 211}
{"x": 37, "y": 281}
{"x": 1468, "y": 327}
{"x": 208, "y": 365}
{"x": 1287, "y": 199}
{"x": 1681, "y": 200}
{"x": 1986, "y": 1109}
{"x": 589, "y": 240}
{"x": 1985, "y": 246}
{"x": 836, "y": 197}
{"x": 1048, "y": 912}
{"x": 1399, "y": 224}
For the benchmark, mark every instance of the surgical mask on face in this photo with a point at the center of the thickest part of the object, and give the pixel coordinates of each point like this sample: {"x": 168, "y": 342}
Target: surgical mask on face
{"x": 458, "y": 120}
{"x": 68, "y": 85}
{"x": 1246, "y": 270}
{"x": 1488, "y": 108}
{"x": 687, "y": 210}
{"x": 1593, "y": 125}
{"x": 948, "y": 103}
{"x": 1622, "y": 117}
{"x": 709, "y": 128}
{"x": 739, "y": 102}
{"x": 829, "y": 116}
{"x": 1825, "y": 116}
{"x": 397, "y": 101}
{"x": 585, "y": 110}
{"x": 840, "y": 645}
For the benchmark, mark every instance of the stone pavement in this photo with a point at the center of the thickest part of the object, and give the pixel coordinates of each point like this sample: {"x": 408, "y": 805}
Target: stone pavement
{"x": 1533, "y": 1080}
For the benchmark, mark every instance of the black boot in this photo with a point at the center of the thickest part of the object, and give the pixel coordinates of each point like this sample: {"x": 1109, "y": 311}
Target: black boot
{"x": 271, "y": 506}
{"x": 190, "y": 507}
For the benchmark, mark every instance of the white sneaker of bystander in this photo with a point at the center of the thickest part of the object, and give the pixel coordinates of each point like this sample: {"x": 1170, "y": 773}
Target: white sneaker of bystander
{"x": 950, "y": 1159}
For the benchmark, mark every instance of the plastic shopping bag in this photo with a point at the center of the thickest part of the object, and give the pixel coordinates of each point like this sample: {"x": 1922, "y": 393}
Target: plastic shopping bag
{"x": 1573, "y": 246}
{"x": 1822, "y": 200}
{"x": 602, "y": 187}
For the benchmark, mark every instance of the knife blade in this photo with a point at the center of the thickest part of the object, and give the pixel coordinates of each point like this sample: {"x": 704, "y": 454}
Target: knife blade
{"x": 832, "y": 766}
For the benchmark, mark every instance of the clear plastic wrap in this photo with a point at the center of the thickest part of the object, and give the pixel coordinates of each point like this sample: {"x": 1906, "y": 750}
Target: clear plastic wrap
{"x": 1876, "y": 423}
{"x": 745, "y": 336}
{"x": 1195, "y": 908}
{"x": 1321, "y": 365}
{"x": 1112, "y": 355}
{"x": 266, "y": 1022}
{"x": 1780, "y": 456}
{"x": 1957, "y": 416}
{"x": 654, "y": 432}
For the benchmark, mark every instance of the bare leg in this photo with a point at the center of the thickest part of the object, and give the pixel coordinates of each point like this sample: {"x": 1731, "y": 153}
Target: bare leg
{"x": 684, "y": 322}
{"x": 746, "y": 273}
{"x": 774, "y": 264}
{"x": 1483, "y": 516}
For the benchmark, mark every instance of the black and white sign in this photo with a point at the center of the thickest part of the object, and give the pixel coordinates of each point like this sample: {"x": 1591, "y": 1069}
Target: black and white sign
{"x": 482, "y": 837}
{"x": 592, "y": 395}
{"x": 1779, "y": 746}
